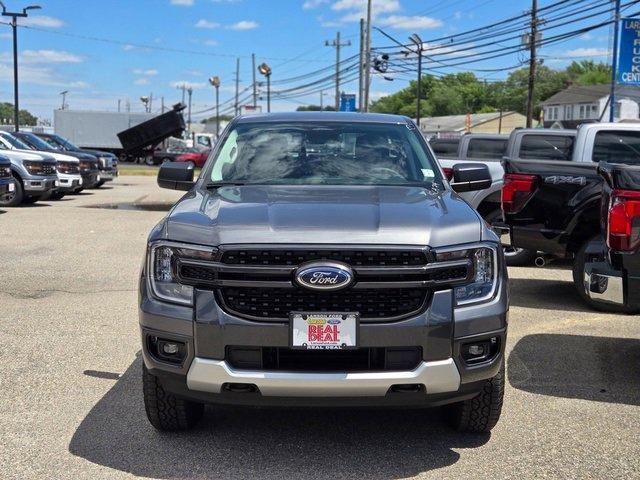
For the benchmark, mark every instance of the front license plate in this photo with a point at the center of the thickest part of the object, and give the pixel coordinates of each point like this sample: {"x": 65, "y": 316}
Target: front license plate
{"x": 12, "y": 187}
{"x": 324, "y": 331}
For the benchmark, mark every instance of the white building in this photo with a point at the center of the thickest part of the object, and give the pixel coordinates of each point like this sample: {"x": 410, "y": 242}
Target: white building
{"x": 590, "y": 103}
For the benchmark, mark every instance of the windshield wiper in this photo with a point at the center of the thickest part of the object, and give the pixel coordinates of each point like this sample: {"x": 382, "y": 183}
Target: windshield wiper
{"x": 214, "y": 185}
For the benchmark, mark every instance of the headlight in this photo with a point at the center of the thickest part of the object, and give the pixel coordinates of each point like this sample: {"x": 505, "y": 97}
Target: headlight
{"x": 484, "y": 259}
{"x": 34, "y": 168}
{"x": 162, "y": 267}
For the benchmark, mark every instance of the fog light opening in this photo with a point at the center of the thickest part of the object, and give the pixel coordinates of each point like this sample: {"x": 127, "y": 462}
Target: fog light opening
{"x": 240, "y": 387}
{"x": 480, "y": 351}
{"x": 167, "y": 350}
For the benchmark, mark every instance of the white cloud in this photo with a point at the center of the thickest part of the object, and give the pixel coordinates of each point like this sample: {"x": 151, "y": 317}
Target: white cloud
{"x": 195, "y": 73}
{"x": 42, "y": 21}
{"x": 50, "y": 56}
{"x": 37, "y": 75}
{"x": 211, "y": 43}
{"x": 188, "y": 84}
{"x": 202, "y": 23}
{"x": 587, "y": 52}
{"x": 183, "y": 3}
{"x": 128, "y": 48}
{"x": 243, "y": 25}
{"x": 149, "y": 72}
{"x": 142, "y": 81}
{"x": 410, "y": 23}
{"x": 311, "y": 4}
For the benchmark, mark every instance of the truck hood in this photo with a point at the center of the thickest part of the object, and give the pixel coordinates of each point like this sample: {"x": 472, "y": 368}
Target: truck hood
{"x": 25, "y": 155}
{"x": 323, "y": 215}
{"x": 61, "y": 157}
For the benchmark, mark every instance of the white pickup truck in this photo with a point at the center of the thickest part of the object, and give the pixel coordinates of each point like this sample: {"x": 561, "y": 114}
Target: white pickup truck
{"x": 490, "y": 149}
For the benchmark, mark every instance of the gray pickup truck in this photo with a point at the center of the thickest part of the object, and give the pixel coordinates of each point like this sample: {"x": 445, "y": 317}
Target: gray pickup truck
{"x": 323, "y": 259}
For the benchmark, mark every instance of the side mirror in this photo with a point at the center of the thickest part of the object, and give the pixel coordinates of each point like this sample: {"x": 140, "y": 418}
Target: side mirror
{"x": 469, "y": 177}
{"x": 176, "y": 175}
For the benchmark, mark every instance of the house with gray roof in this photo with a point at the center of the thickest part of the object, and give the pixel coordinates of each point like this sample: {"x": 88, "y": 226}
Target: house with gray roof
{"x": 579, "y": 104}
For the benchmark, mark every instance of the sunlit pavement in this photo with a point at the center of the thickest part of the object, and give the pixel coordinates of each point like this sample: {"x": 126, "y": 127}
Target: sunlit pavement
{"x": 71, "y": 390}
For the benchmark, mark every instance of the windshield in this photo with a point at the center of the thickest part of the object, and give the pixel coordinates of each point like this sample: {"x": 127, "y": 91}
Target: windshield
{"x": 320, "y": 153}
{"x": 63, "y": 142}
{"x": 15, "y": 143}
{"x": 35, "y": 142}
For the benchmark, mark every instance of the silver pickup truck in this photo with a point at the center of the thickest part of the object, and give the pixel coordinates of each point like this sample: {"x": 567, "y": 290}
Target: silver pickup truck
{"x": 323, "y": 259}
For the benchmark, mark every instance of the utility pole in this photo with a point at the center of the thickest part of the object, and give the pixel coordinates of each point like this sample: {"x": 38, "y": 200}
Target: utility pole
{"x": 161, "y": 105}
{"x": 614, "y": 61}
{"x": 255, "y": 85}
{"x": 361, "y": 65}
{"x": 14, "y": 26}
{"x": 190, "y": 92}
{"x": 417, "y": 41}
{"x": 237, "y": 85}
{"x": 321, "y": 100}
{"x": 533, "y": 41}
{"x": 336, "y": 43}
{"x": 150, "y": 102}
{"x": 119, "y": 101}
{"x": 367, "y": 59}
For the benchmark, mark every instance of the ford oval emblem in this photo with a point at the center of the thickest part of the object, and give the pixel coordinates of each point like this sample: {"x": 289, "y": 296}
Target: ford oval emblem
{"x": 324, "y": 276}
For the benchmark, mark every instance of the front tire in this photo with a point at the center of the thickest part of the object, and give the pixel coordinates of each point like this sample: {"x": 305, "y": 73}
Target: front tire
{"x": 165, "y": 411}
{"x": 15, "y": 198}
{"x": 481, "y": 413}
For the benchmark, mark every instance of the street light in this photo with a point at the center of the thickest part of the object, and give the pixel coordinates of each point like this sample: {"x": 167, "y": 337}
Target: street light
{"x": 265, "y": 70}
{"x": 14, "y": 25}
{"x": 215, "y": 81}
{"x": 145, "y": 102}
{"x": 64, "y": 99}
{"x": 417, "y": 41}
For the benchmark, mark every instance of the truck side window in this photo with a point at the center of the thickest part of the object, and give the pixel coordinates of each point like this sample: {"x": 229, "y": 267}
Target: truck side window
{"x": 492, "y": 148}
{"x": 546, "y": 147}
{"x": 617, "y": 146}
{"x": 445, "y": 147}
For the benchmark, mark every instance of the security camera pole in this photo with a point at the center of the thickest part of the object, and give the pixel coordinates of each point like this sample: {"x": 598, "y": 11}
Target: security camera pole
{"x": 215, "y": 81}
{"x": 265, "y": 70}
{"x": 14, "y": 25}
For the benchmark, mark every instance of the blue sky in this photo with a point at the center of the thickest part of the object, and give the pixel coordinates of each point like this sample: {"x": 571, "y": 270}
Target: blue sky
{"x": 136, "y": 54}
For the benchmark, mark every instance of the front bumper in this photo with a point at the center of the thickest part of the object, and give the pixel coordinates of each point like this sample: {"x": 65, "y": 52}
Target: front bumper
{"x": 441, "y": 377}
{"x": 40, "y": 185}
{"x": 69, "y": 182}
{"x": 108, "y": 174}
{"x": 90, "y": 178}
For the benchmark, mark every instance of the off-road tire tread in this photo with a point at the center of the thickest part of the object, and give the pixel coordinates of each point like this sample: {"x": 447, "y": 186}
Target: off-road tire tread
{"x": 481, "y": 413}
{"x": 165, "y": 411}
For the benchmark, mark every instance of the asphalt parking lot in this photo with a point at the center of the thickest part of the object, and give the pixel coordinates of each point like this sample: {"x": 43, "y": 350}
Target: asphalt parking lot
{"x": 70, "y": 386}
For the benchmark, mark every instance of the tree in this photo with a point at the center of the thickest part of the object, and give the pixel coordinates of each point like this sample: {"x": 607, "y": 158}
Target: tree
{"x": 24, "y": 116}
{"x": 223, "y": 118}
{"x": 460, "y": 93}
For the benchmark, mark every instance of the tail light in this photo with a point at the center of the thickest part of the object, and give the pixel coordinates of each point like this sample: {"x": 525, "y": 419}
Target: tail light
{"x": 624, "y": 221}
{"x": 448, "y": 172}
{"x": 517, "y": 190}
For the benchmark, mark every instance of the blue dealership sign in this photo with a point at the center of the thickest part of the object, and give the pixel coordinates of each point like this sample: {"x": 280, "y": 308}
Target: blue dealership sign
{"x": 629, "y": 57}
{"x": 347, "y": 102}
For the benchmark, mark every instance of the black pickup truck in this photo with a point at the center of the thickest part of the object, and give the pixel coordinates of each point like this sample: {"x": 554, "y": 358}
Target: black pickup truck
{"x": 560, "y": 208}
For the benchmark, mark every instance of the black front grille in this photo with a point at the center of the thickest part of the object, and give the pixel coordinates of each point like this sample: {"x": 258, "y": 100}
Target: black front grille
{"x": 352, "y": 360}
{"x": 5, "y": 172}
{"x": 277, "y": 303}
{"x": 355, "y": 258}
{"x": 47, "y": 169}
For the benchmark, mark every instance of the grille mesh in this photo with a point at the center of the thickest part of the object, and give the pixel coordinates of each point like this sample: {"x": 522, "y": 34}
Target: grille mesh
{"x": 277, "y": 303}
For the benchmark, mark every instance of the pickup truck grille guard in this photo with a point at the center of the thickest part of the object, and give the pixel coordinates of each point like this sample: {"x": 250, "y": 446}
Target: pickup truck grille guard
{"x": 389, "y": 285}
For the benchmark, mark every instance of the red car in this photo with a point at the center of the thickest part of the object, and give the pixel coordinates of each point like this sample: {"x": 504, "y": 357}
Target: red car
{"x": 197, "y": 158}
